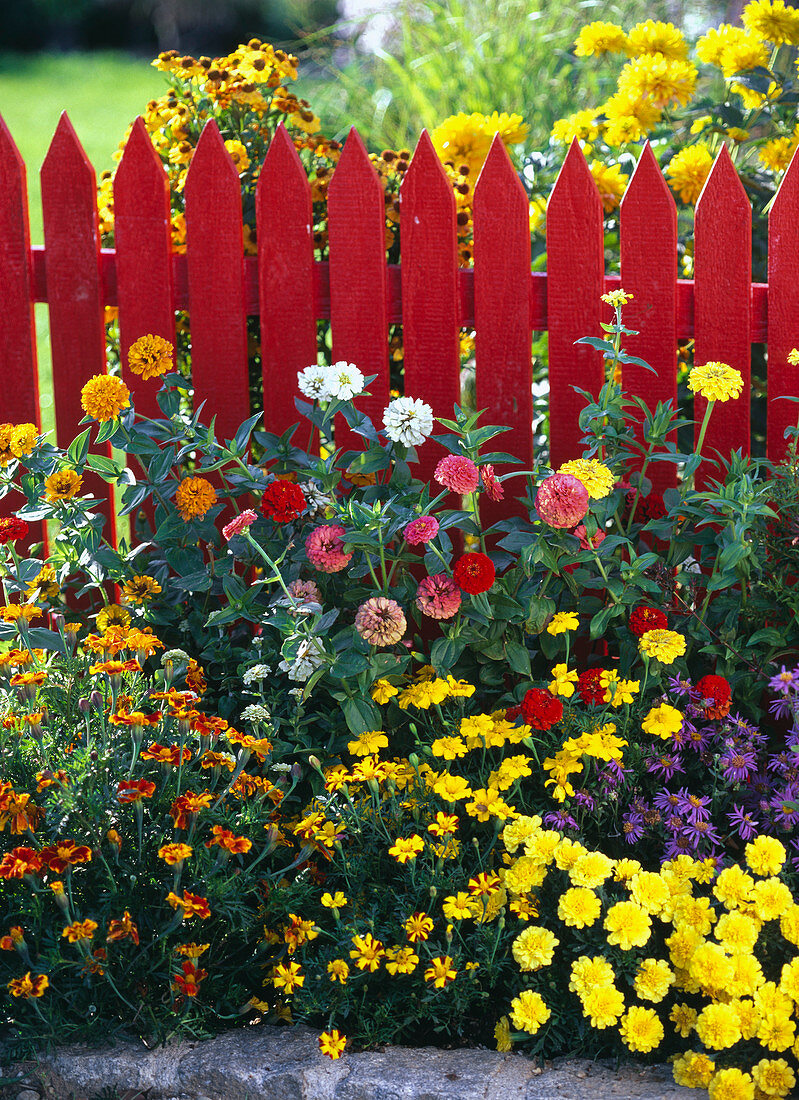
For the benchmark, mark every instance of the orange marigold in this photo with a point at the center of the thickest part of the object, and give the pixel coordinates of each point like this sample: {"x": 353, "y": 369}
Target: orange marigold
{"x": 195, "y": 496}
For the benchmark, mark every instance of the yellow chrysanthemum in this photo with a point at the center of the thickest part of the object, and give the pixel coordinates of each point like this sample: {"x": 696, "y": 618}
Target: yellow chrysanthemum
{"x": 716, "y": 381}
{"x": 104, "y": 397}
{"x": 603, "y": 1005}
{"x": 150, "y": 355}
{"x": 663, "y": 645}
{"x": 662, "y": 80}
{"x": 529, "y": 1011}
{"x": 688, "y": 170}
{"x": 772, "y": 20}
{"x": 599, "y": 38}
{"x": 466, "y": 138}
{"x": 743, "y": 53}
{"x": 776, "y": 154}
{"x": 594, "y": 475}
{"x": 635, "y": 116}
{"x": 641, "y": 1029}
{"x": 582, "y": 125}
{"x": 657, "y": 38}
{"x": 611, "y": 183}
{"x": 194, "y": 497}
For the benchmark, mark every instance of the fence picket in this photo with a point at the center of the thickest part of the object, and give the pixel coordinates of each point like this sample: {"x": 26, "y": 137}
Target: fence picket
{"x": 503, "y": 329}
{"x": 648, "y": 243}
{"x": 217, "y": 308}
{"x": 722, "y": 280}
{"x": 430, "y": 290}
{"x": 358, "y": 278}
{"x": 783, "y": 309}
{"x": 142, "y": 231}
{"x": 286, "y": 279}
{"x": 74, "y": 289}
{"x": 575, "y": 242}
{"x": 19, "y": 388}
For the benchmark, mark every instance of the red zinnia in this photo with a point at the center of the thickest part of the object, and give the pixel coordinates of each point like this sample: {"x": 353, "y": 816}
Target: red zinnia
{"x": 474, "y": 573}
{"x": 644, "y": 618}
{"x": 541, "y": 709}
{"x": 589, "y": 686}
{"x": 716, "y": 693}
{"x": 11, "y": 529}
{"x": 283, "y": 501}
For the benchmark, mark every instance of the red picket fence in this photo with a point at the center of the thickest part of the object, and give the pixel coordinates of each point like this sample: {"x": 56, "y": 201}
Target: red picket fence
{"x": 432, "y": 297}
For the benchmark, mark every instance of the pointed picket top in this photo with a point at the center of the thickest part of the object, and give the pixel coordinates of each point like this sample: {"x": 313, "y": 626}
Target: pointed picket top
{"x": 498, "y": 171}
{"x": 575, "y": 283}
{"x": 10, "y": 156}
{"x": 282, "y": 156}
{"x": 647, "y": 181}
{"x": 211, "y": 163}
{"x": 426, "y": 178}
{"x": 65, "y": 153}
{"x": 140, "y": 164}
{"x": 354, "y": 170}
{"x": 783, "y": 309}
{"x": 722, "y": 282}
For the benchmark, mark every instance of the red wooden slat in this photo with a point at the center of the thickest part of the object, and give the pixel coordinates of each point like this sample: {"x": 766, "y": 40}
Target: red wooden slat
{"x": 502, "y": 312}
{"x": 143, "y": 238}
{"x": 19, "y": 387}
{"x": 358, "y": 278}
{"x": 783, "y": 310}
{"x": 286, "y": 270}
{"x": 722, "y": 274}
{"x": 649, "y": 272}
{"x": 215, "y": 260}
{"x": 575, "y": 284}
{"x": 74, "y": 287}
{"x": 430, "y": 298}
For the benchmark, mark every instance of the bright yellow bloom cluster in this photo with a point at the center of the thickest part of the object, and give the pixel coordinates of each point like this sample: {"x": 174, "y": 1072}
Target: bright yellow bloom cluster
{"x": 104, "y": 397}
{"x": 716, "y": 381}
{"x": 688, "y": 170}
{"x": 16, "y": 440}
{"x": 595, "y": 476}
{"x": 663, "y": 645}
{"x": 466, "y": 139}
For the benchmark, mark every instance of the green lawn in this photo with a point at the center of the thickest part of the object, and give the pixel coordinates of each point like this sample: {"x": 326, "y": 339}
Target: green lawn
{"x": 102, "y": 93}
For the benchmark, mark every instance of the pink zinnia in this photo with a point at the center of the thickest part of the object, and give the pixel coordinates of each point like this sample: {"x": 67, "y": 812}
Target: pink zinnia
{"x": 421, "y": 530}
{"x": 307, "y": 591}
{"x": 380, "y": 621}
{"x": 561, "y": 500}
{"x": 438, "y": 596}
{"x": 457, "y": 473}
{"x": 586, "y": 543}
{"x": 239, "y": 523}
{"x": 491, "y": 484}
{"x": 325, "y": 549}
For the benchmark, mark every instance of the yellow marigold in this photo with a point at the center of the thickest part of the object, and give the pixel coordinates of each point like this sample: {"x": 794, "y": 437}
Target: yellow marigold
{"x": 688, "y": 170}
{"x": 716, "y": 381}
{"x": 534, "y": 947}
{"x": 603, "y": 1005}
{"x": 734, "y": 887}
{"x": 563, "y": 621}
{"x": 195, "y": 496}
{"x": 28, "y": 986}
{"x": 742, "y": 53}
{"x": 776, "y": 154}
{"x": 582, "y": 125}
{"x": 112, "y": 615}
{"x": 502, "y": 1035}
{"x": 594, "y": 475}
{"x": 684, "y": 1018}
{"x": 62, "y": 485}
{"x": 661, "y": 79}
{"x": 579, "y": 907}
{"x": 406, "y": 849}
{"x": 650, "y": 892}
{"x": 610, "y": 182}
{"x": 590, "y": 870}
{"x": 771, "y": 898}
{"x": 772, "y": 20}
{"x": 80, "y": 930}
{"x": 466, "y": 138}
{"x": 774, "y": 1077}
{"x": 653, "y": 979}
{"x": 588, "y": 973}
{"x": 765, "y": 855}
{"x": 628, "y": 924}
{"x": 641, "y": 1029}
{"x": 174, "y": 853}
{"x": 599, "y": 38}
{"x": 663, "y": 720}
{"x": 718, "y": 1027}
{"x": 150, "y": 355}
{"x": 382, "y": 691}
{"x": 23, "y": 439}
{"x": 529, "y": 1011}
{"x": 693, "y": 1070}
{"x": 710, "y": 966}
{"x": 655, "y": 37}
{"x": 793, "y": 357}
{"x": 731, "y": 1083}
{"x": 104, "y": 397}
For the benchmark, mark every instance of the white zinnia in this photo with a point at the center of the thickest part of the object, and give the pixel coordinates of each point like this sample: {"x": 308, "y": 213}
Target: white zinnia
{"x": 344, "y": 381}
{"x": 408, "y": 420}
{"x": 313, "y": 383}
{"x": 310, "y": 656}
{"x": 256, "y": 672}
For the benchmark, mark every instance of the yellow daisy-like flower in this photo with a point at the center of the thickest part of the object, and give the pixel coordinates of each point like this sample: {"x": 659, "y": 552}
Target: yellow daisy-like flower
{"x": 712, "y": 44}
{"x": 62, "y": 485}
{"x": 23, "y": 439}
{"x": 611, "y": 183}
{"x": 466, "y": 138}
{"x": 742, "y": 53}
{"x": 401, "y": 960}
{"x": 334, "y": 901}
{"x": 594, "y": 475}
{"x": 563, "y": 681}
{"x": 194, "y": 497}
{"x": 776, "y": 154}
{"x": 338, "y": 970}
{"x": 104, "y": 397}
{"x": 563, "y": 621}
{"x": 369, "y": 742}
{"x": 716, "y": 381}
{"x": 382, "y": 691}
{"x": 662, "y": 721}
{"x": 406, "y": 849}
{"x": 599, "y": 38}
{"x": 654, "y": 37}
{"x": 772, "y": 20}
{"x": 529, "y": 1011}
{"x": 582, "y": 125}
{"x": 331, "y": 1043}
{"x": 238, "y": 153}
{"x": 174, "y": 853}
{"x": 663, "y": 645}
{"x": 641, "y": 1029}
{"x": 663, "y": 80}
{"x": 688, "y": 170}
{"x": 150, "y": 355}
{"x": 112, "y": 615}
{"x": 140, "y": 589}
{"x": 440, "y": 971}
{"x": 616, "y": 298}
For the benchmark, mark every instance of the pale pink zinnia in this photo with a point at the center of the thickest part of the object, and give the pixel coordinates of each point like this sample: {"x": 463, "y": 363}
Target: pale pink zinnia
{"x": 307, "y": 591}
{"x": 325, "y": 549}
{"x": 239, "y": 523}
{"x": 421, "y": 530}
{"x": 457, "y": 473}
{"x": 561, "y": 500}
{"x": 492, "y": 484}
{"x": 438, "y": 597}
{"x": 380, "y": 621}
{"x": 585, "y": 543}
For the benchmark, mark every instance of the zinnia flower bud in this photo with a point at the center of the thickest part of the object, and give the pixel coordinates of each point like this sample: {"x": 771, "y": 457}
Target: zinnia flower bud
{"x": 380, "y": 621}
{"x": 561, "y": 500}
{"x": 239, "y": 523}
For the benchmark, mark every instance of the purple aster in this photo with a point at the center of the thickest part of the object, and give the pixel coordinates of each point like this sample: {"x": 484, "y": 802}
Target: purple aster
{"x": 786, "y": 807}
{"x": 560, "y": 819}
{"x": 674, "y": 823}
{"x": 633, "y": 827}
{"x": 702, "y": 830}
{"x": 782, "y": 708}
{"x": 694, "y": 805}
{"x": 738, "y": 764}
{"x": 667, "y": 801}
{"x": 665, "y": 765}
{"x": 784, "y": 682}
{"x": 679, "y": 845}
{"x": 697, "y": 739}
{"x": 743, "y": 823}
{"x": 613, "y": 773}
{"x": 678, "y": 686}
{"x": 781, "y": 763}
{"x": 794, "y": 847}
{"x": 584, "y": 799}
